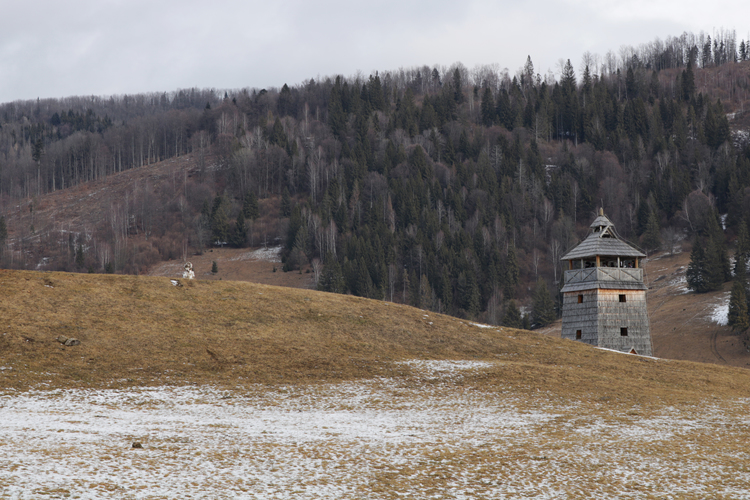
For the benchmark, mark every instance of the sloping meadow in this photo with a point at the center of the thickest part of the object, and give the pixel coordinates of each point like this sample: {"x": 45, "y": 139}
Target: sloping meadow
{"x": 236, "y": 390}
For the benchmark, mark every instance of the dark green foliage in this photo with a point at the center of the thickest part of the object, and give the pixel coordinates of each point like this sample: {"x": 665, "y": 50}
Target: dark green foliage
{"x": 651, "y": 240}
{"x": 488, "y": 108}
{"x": 738, "y": 315}
{"x": 336, "y": 115}
{"x": 705, "y": 272}
{"x": 688, "y": 82}
{"x": 512, "y": 316}
{"x": 332, "y": 278}
{"x": 446, "y": 290}
{"x": 80, "y": 256}
{"x": 239, "y": 234}
{"x": 277, "y": 137}
{"x": 220, "y": 219}
{"x": 363, "y": 285}
{"x": 740, "y": 257}
{"x": 419, "y": 161}
{"x": 3, "y": 233}
{"x": 38, "y": 149}
{"x": 284, "y": 105}
{"x": 543, "y": 308}
{"x": 286, "y": 203}
{"x": 214, "y": 267}
{"x": 250, "y": 206}
{"x": 458, "y": 94}
{"x": 510, "y": 280}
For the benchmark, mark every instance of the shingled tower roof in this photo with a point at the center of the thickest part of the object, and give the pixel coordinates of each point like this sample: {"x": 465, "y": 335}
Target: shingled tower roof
{"x": 603, "y": 240}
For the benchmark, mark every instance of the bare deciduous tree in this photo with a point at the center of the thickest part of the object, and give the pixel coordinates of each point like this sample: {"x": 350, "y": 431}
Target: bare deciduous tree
{"x": 317, "y": 268}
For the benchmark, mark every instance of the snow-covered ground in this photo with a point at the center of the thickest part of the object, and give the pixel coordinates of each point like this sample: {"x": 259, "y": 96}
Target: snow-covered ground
{"x": 367, "y": 440}
{"x": 269, "y": 254}
{"x": 720, "y": 312}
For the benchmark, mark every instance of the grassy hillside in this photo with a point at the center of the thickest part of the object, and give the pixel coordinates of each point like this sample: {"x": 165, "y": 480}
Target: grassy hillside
{"x": 137, "y": 330}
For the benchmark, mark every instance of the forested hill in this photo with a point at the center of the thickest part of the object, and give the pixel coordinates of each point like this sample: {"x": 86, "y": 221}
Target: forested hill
{"x": 451, "y": 189}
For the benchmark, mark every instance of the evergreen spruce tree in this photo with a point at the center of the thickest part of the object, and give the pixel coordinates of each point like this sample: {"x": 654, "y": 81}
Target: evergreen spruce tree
{"x": 239, "y": 235}
{"x": 651, "y": 238}
{"x": 250, "y": 206}
{"x": 474, "y": 295}
{"x": 741, "y": 254}
{"x": 332, "y": 278}
{"x": 512, "y": 316}
{"x": 738, "y": 316}
{"x": 488, "y": 107}
{"x": 718, "y": 252}
{"x": 80, "y": 257}
{"x": 425, "y": 294}
{"x": 511, "y": 274}
{"x": 364, "y": 281}
{"x": 286, "y": 203}
{"x": 543, "y": 308}
{"x": 3, "y": 234}
{"x": 696, "y": 271}
{"x": 446, "y": 291}
{"x": 220, "y": 219}
{"x": 709, "y": 265}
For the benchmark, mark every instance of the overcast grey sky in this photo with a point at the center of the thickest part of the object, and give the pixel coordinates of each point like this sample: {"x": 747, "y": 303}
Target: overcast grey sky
{"x": 104, "y": 47}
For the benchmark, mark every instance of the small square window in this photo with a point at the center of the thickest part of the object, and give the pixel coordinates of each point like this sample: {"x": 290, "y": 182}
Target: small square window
{"x": 580, "y": 299}
{"x": 578, "y": 334}
{"x": 623, "y": 297}
{"x": 624, "y": 332}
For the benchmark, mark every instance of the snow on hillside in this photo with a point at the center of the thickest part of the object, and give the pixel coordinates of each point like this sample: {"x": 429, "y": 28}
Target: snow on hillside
{"x": 269, "y": 254}
{"x": 720, "y": 313}
{"x": 367, "y": 440}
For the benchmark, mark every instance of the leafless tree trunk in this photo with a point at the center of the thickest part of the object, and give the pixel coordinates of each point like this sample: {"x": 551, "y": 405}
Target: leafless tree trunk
{"x": 555, "y": 249}
{"x": 317, "y": 269}
{"x": 391, "y": 279}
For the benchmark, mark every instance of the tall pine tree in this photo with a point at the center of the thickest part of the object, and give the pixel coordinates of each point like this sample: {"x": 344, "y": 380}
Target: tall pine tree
{"x": 738, "y": 318}
{"x": 543, "y": 309}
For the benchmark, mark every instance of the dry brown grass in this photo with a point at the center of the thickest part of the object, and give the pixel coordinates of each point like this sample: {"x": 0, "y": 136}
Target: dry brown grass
{"x": 145, "y": 331}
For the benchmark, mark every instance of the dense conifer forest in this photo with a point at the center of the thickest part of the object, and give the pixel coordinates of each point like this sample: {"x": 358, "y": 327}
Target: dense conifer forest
{"x": 450, "y": 189}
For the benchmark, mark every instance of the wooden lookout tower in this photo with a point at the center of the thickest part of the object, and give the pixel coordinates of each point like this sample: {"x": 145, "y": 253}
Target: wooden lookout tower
{"x": 604, "y": 298}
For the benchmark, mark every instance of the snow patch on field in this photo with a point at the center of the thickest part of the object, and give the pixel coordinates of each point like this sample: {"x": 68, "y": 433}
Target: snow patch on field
{"x": 269, "y": 254}
{"x": 482, "y": 325}
{"x": 720, "y": 314}
{"x": 367, "y": 440}
{"x": 680, "y": 285}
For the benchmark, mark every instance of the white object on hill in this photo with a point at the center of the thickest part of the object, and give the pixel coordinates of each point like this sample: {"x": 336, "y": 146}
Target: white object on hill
{"x": 188, "y": 273}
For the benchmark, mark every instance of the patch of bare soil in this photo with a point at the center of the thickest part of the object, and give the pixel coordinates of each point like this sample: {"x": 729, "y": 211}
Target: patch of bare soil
{"x": 684, "y": 323}
{"x": 84, "y": 206}
{"x": 255, "y": 265}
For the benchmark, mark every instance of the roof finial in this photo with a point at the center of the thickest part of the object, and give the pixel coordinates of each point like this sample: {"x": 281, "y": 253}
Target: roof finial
{"x": 601, "y": 210}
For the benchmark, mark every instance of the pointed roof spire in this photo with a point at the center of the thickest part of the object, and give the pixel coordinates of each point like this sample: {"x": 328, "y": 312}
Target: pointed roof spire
{"x": 602, "y": 240}
{"x": 601, "y": 222}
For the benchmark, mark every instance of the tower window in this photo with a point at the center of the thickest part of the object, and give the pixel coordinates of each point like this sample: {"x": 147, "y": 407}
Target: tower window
{"x": 578, "y": 334}
{"x": 580, "y": 299}
{"x": 624, "y": 331}
{"x": 623, "y": 298}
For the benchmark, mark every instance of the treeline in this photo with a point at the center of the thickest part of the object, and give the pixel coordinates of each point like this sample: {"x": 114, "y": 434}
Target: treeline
{"x": 449, "y": 189}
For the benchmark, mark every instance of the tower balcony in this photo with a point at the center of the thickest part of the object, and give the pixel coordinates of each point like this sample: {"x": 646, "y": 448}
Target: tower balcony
{"x": 620, "y": 278}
